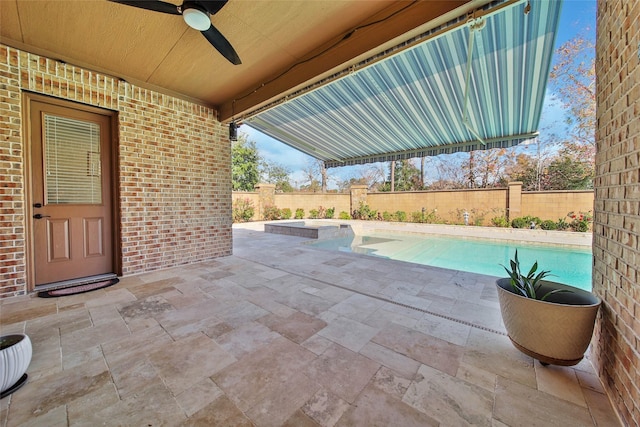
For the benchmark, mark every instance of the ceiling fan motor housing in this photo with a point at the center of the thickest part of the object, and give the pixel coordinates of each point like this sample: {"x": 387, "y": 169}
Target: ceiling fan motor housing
{"x": 195, "y": 16}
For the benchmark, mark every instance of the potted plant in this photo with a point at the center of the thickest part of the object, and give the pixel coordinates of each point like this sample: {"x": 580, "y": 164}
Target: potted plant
{"x": 15, "y": 356}
{"x": 548, "y": 321}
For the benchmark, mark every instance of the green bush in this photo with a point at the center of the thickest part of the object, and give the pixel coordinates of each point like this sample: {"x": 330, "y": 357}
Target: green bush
{"x": 500, "y": 221}
{"x": 387, "y": 216}
{"x": 525, "y": 222}
{"x": 401, "y": 216}
{"x": 329, "y": 213}
{"x": 344, "y": 215}
{"x": 285, "y": 213}
{"x": 271, "y": 213}
{"x": 562, "y": 224}
{"x": 365, "y": 212}
{"x": 299, "y": 213}
{"x": 242, "y": 210}
{"x": 428, "y": 217}
{"x": 520, "y": 223}
{"x": 548, "y": 224}
{"x": 313, "y": 214}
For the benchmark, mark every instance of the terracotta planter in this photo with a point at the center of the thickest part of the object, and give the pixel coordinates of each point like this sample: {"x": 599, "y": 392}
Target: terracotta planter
{"x": 15, "y": 356}
{"x": 555, "y": 332}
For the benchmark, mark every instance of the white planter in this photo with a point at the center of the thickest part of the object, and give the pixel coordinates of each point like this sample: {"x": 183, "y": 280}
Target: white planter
{"x": 555, "y": 332}
{"x": 15, "y": 356}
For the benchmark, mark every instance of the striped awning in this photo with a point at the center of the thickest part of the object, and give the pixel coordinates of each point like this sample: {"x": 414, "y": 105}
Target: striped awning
{"x": 476, "y": 83}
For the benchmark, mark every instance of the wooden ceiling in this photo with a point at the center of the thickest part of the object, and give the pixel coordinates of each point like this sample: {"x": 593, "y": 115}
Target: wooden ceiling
{"x": 283, "y": 45}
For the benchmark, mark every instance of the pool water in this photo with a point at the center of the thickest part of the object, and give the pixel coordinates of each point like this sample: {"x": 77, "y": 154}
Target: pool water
{"x": 569, "y": 265}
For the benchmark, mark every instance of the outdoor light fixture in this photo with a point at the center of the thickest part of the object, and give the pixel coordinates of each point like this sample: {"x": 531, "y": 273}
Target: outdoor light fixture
{"x": 196, "y": 17}
{"x": 233, "y": 131}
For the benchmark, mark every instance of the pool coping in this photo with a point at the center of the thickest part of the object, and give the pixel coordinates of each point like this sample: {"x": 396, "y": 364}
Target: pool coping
{"x": 359, "y": 227}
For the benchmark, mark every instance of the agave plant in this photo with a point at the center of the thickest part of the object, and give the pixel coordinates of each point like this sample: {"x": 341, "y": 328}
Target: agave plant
{"x": 528, "y": 285}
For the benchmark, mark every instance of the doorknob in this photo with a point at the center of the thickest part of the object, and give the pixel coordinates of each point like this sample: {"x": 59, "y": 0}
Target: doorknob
{"x": 40, "y": 216}
{"x": 37, "y": 205}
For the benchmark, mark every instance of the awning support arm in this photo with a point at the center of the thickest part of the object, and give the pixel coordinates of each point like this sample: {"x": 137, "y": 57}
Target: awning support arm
{"x": 476, "y": 24}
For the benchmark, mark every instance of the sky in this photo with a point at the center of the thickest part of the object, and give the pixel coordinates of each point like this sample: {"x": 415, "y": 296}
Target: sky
{"x": 576, "y": 15}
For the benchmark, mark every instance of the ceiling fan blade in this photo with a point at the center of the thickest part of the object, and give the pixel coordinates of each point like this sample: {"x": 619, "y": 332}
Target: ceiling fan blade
{"x": 212, "y": 6}
{"x": 223, "y": 46}
{"x": 156, "y": 6}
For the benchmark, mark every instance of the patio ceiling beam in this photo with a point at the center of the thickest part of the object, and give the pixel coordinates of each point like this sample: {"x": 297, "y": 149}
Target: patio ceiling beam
{"x": 378, "y": 32}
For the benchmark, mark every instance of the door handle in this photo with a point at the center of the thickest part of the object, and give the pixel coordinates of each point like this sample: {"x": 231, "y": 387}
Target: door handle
{"x": 40, "y": 216}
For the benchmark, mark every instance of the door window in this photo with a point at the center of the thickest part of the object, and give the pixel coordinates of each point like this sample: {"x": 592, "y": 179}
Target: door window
{"x": 72, "y": 161}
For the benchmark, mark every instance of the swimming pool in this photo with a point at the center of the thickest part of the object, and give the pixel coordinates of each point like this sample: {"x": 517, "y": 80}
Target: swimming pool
{"x": 570, "y": 265}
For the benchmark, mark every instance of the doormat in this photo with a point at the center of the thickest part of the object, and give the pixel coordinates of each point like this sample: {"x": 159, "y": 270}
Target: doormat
{"x": 80, "y": 289}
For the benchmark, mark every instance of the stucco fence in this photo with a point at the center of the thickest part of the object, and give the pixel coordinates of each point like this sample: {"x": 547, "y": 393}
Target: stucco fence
{"x": 448, "y": 205}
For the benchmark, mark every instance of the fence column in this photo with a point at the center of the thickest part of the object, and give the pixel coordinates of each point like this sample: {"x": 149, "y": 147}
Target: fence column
{"x": 358, "y": 196}
{"x": 266, "y": 197}
{"x": 514, "y": 200}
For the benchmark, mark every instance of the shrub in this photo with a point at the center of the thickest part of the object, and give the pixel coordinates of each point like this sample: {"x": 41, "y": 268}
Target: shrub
{"x": 242, "y": 210}
{"x": 299, "y": 213}
{"x": 548, "y": 224}
{"x": 401, "y": 216}
{"x": 313, "y": 214}
{"x": 519, "y": 223}
{"x": 500, "y": 221}
{"x": 271, "y": 213}
{"x": 525, "y": 222}
{"x": 580, "y": 221}
{"x": 330, "y": 213}
{"x": 344, "y": 215}
{"x": 387, "y": 216}
{"x": 562, "y": 224}
{"x": 426, "y": 217}
{"x": 285, "y": 213}
{"x": 365, "y": 212}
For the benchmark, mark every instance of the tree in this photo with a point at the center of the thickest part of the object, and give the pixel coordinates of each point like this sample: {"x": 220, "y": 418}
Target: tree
{"x": 245, "y": 162}
{"x": 573, "y": 80}
{"x": 405, "y": 175}
{"x": 274, "y": 173}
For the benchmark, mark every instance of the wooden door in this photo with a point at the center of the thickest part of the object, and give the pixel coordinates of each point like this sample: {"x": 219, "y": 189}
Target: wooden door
{"x": 71, "y": 197}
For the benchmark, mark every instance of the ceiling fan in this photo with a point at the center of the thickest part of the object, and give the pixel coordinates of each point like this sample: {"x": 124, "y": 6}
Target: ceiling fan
{"x": 197, "y": 15}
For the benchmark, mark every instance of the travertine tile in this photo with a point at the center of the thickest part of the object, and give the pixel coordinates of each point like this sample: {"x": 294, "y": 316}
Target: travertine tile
{"x": 403, "y": 365}
{"x": 198, "y": 396}
{"x": 247, "y": 381}
{"x": 189, "y": 361}
{"x": 423, "y": 348}
{"x": 390, "y": 382}
{"x": 518, "y": 405}
{"x": 448, "y": 330}
{"x": 357, "y": 307}
{"x": 376, "y": 408}
{"x": 449, "y": 400}
{"x": 348, "y": 333}
{"x": 600, "y": 409}
{"x": 559, "y": 381}
{"x": 342, "y": 372}
{"x": 265, "y": 340}
{"x": 297, "y": 327}
{"x": 51, "y": 392}
{"x": 246, "y": 338}
{"x": 325, "y": 408}
{"x": 220, "y": 412}
{"x": 495, "y": 353}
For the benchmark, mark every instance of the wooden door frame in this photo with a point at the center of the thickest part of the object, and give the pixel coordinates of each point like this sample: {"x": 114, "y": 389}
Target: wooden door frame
{"x": 27, "y": 99}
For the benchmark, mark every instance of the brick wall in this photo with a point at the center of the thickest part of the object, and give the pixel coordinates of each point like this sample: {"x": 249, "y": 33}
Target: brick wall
{"x": 174, "y": 168}
{"x": 616, "y": 272}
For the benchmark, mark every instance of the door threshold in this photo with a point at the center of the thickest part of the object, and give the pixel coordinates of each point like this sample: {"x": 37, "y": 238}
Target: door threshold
{"x": 75, "y": 282}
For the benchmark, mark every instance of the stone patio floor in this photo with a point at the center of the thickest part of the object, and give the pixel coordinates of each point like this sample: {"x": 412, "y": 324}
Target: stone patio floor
{"x": 283, "y": 334}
